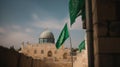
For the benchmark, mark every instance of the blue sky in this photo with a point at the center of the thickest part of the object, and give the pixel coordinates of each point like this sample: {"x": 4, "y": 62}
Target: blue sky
{"x": 24, "y": 20}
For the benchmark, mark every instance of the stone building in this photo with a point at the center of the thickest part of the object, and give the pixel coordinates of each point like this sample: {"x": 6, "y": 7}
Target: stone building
{"x": 105, "y": 26}
{"x": 46, "y": 49}
{"x": 82, "y": 57}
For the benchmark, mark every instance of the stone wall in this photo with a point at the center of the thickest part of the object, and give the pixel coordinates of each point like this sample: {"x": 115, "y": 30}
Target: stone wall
{"x": 106, "y": 31}
{"x": 11, "y": 58}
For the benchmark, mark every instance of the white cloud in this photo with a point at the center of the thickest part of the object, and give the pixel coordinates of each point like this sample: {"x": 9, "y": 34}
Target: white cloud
{"x": 35, "y": 16}
{"x": 56, "y": 24}
{"x": 2, "y": 30}
{"x": 15, "y": 35}
{"x": 22, "y": 29}
{"x": 77, "y": 25}
{"x": 29, "y": 30}
{"x": 50, "y": 24}
{"x": 15, "y": 38}
{"x": 17, "y": 27}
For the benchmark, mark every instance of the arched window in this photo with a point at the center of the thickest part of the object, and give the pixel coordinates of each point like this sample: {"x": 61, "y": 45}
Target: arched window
{"x": 35, "y": 51}
{"x": 49, "y": 53}
{"x": 40, "y": 40}
{"x": 45, "y": 40}
{"x": 28, "y": 51}
{"x": 65, "y": 56}
{"x": 42, "y": 51}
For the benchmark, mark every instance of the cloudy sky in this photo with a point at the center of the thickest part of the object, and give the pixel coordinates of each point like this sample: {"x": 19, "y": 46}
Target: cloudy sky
{"x": 24, "y": 20}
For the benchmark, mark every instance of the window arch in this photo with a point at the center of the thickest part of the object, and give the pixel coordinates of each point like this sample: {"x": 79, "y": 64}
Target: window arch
{"x": 65, "y": 56}
{"x": 42, "y": 51}
{"x": 49, "y": 53}
{"x": 35, "y": 51}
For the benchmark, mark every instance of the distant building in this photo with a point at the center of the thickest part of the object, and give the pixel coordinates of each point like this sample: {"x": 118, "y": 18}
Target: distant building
{"x": 45, "y": 49}
{"x": 82, "y": 57}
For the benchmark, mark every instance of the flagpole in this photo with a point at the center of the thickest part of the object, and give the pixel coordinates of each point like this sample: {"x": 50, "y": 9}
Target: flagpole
{"x": 71, "y": 51}
{"x": 71, "y": 48}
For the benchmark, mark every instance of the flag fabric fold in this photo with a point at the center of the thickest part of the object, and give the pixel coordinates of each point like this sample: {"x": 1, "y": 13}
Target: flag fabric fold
{"x": 76, "y": 8}
{"x": 82, "y": 45}
{"x": 62, "y": 37}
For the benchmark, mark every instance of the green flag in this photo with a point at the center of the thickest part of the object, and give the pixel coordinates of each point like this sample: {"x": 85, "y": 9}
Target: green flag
{"x": 62, "y": 37}
{"x": 82, "y": 45}
{"x": 76, "y": 8}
